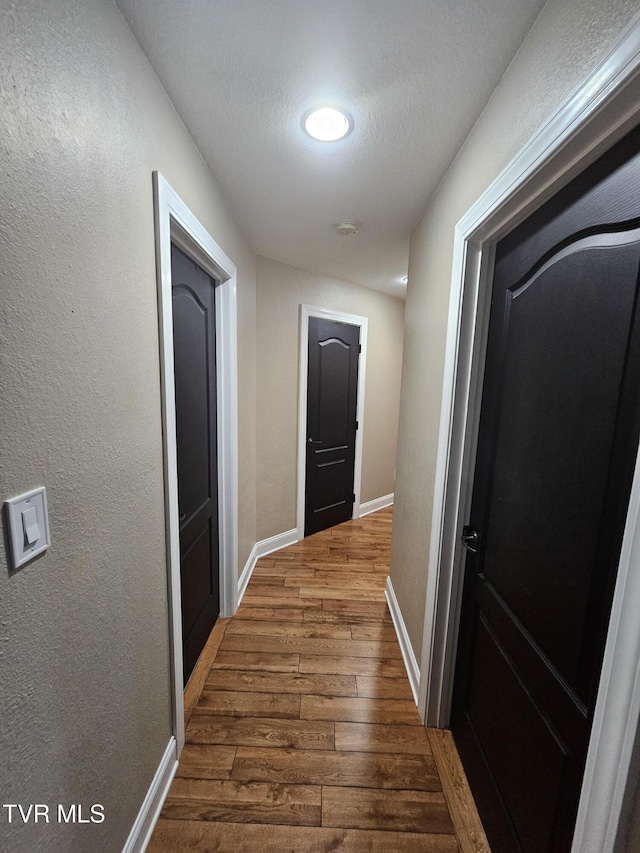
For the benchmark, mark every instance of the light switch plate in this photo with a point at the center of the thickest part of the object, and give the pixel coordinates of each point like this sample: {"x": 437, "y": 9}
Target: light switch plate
{"x": 29, "y": 533}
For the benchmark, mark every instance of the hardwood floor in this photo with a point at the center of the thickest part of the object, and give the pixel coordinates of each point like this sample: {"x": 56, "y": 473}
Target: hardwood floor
{"x": 302, "y": 733}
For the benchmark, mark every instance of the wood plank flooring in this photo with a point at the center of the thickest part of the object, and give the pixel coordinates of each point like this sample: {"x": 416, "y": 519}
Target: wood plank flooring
{"x": 305, "y": 737}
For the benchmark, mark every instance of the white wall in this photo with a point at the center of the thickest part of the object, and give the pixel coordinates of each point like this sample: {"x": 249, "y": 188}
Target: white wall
{"x": 84, "y": 662}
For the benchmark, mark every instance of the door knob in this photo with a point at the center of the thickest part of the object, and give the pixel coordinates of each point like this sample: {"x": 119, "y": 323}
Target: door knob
{"x": 313, "y": 441}
{"x": 470, "y": 539}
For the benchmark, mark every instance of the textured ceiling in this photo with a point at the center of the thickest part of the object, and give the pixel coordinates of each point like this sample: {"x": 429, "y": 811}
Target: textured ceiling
{"x": 414, "y": 74}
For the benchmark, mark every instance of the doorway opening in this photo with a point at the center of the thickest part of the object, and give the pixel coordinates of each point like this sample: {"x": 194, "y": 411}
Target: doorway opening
{"x": 597, "y": 115}
{"x": 176, "y": 224}
{"x": 306, "y": 452}
{"x": 557, "y": 446}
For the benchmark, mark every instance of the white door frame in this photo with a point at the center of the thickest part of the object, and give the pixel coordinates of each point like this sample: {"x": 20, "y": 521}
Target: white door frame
{"x": 307, "y": 311}
{"x": 601, "y": 110}
{"x": 176, "y": 223}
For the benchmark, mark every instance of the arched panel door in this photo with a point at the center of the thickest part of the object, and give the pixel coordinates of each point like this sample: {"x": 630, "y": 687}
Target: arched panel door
{"x": 557, "y": 445}
{"x": 332, "y": 387}
{"x": 194, "y": 342}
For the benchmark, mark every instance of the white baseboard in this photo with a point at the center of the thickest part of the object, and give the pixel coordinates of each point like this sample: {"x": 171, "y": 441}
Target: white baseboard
{"x": 245, "y": 577}
{"x": 374, "y": 506}
{"x": 408, "y": 656}
{"x": 261, "y": 549}
{"x": 149, "y": 813}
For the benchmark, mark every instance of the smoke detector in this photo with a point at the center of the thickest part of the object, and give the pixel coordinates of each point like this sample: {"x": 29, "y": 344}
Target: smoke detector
{"x": 347, "y": 229}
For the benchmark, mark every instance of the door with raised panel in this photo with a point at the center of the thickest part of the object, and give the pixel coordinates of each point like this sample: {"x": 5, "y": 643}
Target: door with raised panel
{"x": 332, "y": 393}
{"x": 557, "y": 446}
{"x": 194, "y": 326}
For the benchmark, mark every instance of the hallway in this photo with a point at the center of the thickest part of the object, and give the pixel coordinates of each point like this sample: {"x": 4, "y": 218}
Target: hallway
{"x": 302, "y": 733}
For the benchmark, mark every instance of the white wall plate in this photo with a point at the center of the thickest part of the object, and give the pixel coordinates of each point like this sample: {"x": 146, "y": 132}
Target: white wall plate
{"x": 28, "y": 522}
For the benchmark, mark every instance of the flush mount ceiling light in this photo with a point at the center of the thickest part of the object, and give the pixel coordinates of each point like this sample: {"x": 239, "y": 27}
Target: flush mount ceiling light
{"x": 327, "y": 124}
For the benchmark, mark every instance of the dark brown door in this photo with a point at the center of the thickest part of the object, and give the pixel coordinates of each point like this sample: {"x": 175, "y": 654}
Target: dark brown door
{"x": 556, "y": 452}
{"x": 194, "y": 344}
{"x": 332, "y": 389}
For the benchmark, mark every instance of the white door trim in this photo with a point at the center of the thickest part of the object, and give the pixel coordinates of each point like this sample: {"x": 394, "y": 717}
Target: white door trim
{"x": 175, "y": 223}
{"x": 599, "y": 112}
{"x": 307, "y": 311}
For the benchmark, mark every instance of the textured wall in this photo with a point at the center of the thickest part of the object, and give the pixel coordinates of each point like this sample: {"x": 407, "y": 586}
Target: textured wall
{"x": 281, "y": 289}
{"x": 85, "y": 695}
{"x": 568, "y": 40}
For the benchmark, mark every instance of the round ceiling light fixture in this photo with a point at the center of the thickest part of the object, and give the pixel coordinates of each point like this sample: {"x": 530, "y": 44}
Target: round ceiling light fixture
{"x": 327, "y": 124}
